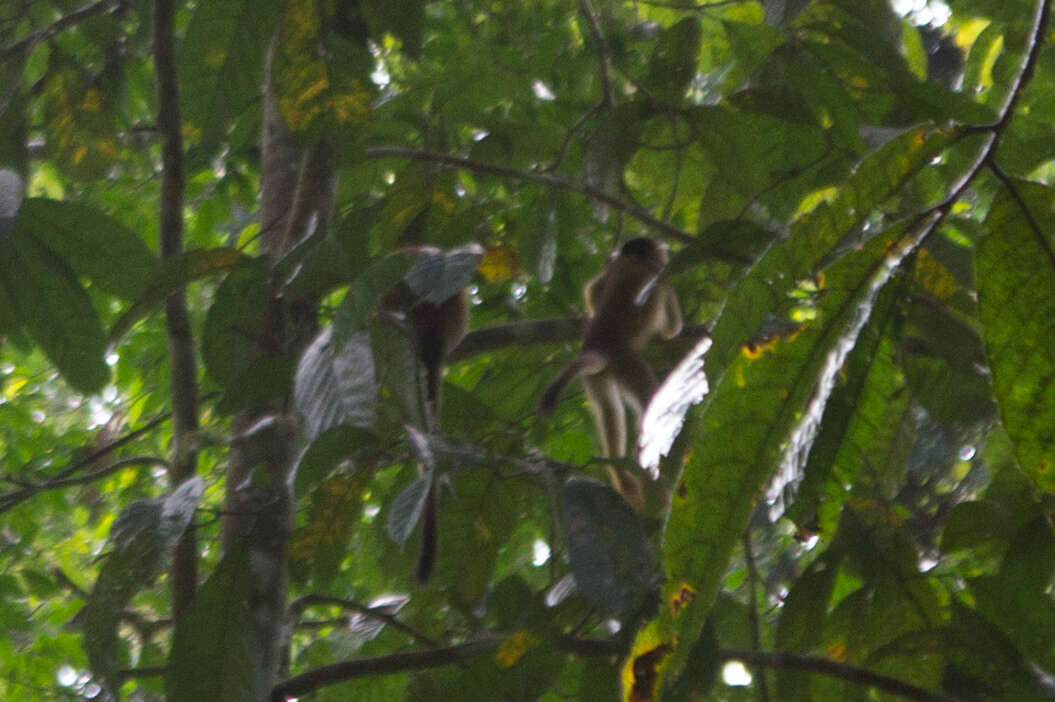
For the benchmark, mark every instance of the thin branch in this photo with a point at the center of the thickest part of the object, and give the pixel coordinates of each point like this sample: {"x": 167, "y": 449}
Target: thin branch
{"x": 382, "y": 614}
{"x": 27, "y": 42}
{"x": 607, "y": 94}
{"x": 449, "y": 161}
{"x": 541, "y": 331}
{"x": 752, "y": 599}
{"x": 181, "y": 342}
{"x": 300, "y": 685}
{"x": 97, "y": 474}
{"x": 834, "y": 669}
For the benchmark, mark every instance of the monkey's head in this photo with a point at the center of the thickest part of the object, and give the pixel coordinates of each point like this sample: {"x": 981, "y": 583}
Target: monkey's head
{"x": 645, "y": 248}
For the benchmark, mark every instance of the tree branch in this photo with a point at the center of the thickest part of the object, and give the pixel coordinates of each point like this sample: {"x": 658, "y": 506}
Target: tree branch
{"x": 541, "y": 331}
{"x": 834, "y": 669}
{"x": 449, "y": 161}
{"x": 181, "y": 342}
{"x": 381, "y": 613}
{"x": 27, "y": 42}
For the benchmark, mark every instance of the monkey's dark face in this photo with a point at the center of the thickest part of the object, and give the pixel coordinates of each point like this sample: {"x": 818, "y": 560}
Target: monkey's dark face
{"x": 645, "y": 248}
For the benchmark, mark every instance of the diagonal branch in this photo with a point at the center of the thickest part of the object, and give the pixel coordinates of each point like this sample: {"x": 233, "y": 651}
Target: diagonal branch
{"x": 450, "y": 161}
{"x": 26, "y": 43}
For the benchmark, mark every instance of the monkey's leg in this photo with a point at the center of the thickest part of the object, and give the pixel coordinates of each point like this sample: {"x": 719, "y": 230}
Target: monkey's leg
{"x": 609, "y": 415}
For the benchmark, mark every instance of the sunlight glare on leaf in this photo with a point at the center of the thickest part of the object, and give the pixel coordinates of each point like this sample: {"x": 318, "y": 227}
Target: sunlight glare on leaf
{"x": 735, "y": 674}
{"x": 542, "y": 91}
{"x": 541, "y": 553}
{"x": 684, "y": 387}
{"x": 793, "y": 463}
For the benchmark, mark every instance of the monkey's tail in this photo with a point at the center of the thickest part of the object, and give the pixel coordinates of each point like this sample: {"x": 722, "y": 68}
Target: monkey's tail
{"x": 429, "y": 540}
{"x": 586, "y": 363}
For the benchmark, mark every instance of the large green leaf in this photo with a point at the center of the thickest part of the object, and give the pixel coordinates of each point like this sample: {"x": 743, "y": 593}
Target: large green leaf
{"x": 774, "y": 395}
{"x": 1016, "y": 292}
{"x": 141, "y": 538}
{"x": 212, "y": 646}
{"x": 48, "y": 300}
{"x": 221, "y": 64}
{"x": 610, "y": 555}
{"x": 321, "y": 71}
{"x": 235, "y": 323}
{"x": 172, "y": 275}
{"x": 94, "y": 245}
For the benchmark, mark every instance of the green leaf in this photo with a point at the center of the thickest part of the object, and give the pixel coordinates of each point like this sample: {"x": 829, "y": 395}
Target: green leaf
{"x": 802, "y": 618}
{"x": 438, "y": 275}
{"x": 221, "y": 64}
{"x": 1016, "y": 296}
{"x": 234, "y": 325}
{"x": 322, "y": 92}
{"x": 365, "y": 293}
{"x": 94, "y": 245}
{"x": 140, "y": 540}
{"x": 861, "y": 428}
{"x": 79, "y": 118}
{"x": 266, "y": 378}
{"x": 335, "y": 384}
{"x": 47, "y": 298}
{"x": 403, "y": 18}
{"x": 405, "y": 511}
{"x": 611, "y": 558}
{"x": 327, "y": 450}
{"x": 673, "y": 63}
{"x": 212, "y": 647}
{"x": 174, "y": 274}
{"x": 774, "y": 394}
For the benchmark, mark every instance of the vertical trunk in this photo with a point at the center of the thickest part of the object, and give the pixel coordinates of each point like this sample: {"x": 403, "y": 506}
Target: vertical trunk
{"x": 184, "y": 577}
{"x": 297, "y": 184}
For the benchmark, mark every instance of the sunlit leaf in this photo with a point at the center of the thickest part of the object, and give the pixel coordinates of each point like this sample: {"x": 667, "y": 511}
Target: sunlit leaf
{"x": 79, "y": 119}
{"x": 1016, "y": 293}
{"x": 335, "y": 384}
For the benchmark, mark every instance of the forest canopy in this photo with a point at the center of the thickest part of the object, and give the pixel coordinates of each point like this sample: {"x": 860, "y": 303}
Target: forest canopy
{"x": 222, "y": 451}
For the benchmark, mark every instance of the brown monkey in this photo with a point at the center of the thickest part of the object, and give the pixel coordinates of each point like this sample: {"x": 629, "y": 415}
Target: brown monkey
{"x": 434, "y": 329}
{"x": 628, "y": 304}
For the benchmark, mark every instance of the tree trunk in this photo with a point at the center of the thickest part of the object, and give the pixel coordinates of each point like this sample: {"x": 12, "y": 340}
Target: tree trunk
{"x": 297, "y": 184}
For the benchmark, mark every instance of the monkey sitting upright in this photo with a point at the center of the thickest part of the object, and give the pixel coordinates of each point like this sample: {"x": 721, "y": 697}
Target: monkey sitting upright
{"x": 434, "y": 329}
{"x": 628, "y": 304}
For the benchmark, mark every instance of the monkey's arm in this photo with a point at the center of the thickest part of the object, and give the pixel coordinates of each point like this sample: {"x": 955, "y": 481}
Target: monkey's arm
{"x": 672, "y": 321}
{"x": 593, "y": 291}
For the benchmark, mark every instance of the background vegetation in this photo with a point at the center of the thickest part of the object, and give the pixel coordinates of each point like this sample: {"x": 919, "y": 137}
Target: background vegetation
{"x": 209, "y": 444}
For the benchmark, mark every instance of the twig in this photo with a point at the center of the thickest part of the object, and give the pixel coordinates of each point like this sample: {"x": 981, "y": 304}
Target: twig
{"x": 835, "y": 669}
{"x": 756, "y": 638}
{"x": 300, "y": 685}
{"x": 607, "y": 94}
{"x": 298, "y": 606}
{"x": 63, "y": 23}
{"x": 450, "y": 161}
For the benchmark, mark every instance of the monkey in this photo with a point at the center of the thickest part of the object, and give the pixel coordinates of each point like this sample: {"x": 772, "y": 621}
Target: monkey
{"x": 434, "y": 329}
{"x": 628, "y": 304}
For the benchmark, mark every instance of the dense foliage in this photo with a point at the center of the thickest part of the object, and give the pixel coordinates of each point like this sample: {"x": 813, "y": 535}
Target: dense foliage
{"x": 858, "y": 200}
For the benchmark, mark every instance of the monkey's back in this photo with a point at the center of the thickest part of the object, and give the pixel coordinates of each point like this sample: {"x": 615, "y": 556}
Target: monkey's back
{"x": 619, "y": 318}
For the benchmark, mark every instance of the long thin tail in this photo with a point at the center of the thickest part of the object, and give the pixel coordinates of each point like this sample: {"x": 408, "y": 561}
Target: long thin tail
{"x": 429, "y": 540}
{"x": 586, "y": 363}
